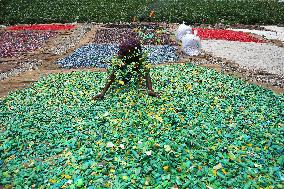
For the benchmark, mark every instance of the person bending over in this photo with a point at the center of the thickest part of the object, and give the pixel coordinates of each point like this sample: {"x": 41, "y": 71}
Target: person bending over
{"x": 129, "y": 61}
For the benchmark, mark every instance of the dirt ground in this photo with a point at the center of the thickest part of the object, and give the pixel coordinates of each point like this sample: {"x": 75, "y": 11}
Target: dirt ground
{"x": 48, "y": 64}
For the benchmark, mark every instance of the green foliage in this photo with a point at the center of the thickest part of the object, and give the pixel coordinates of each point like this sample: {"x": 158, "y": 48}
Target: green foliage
{"x": 191, "y": 11}
{"x": 206, "y": 130}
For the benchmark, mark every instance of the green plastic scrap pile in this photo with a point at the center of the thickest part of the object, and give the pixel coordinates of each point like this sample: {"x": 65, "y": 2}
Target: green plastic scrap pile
{"x": 207, "y": 130}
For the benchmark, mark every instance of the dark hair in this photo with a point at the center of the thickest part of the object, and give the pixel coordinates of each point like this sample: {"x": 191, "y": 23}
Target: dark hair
{"x": 130, "y": 50}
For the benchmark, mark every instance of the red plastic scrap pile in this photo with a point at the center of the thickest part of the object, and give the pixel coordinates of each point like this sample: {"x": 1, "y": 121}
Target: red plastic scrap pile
{"x": 51, "y": 27}
{"x": 228, "y": 35}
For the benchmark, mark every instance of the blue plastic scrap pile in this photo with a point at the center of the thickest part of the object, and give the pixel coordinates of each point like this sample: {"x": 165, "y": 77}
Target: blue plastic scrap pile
{"x": 157, "y": 43}
{"x": 98, "y": 55}
{"x": 89, "y": 56}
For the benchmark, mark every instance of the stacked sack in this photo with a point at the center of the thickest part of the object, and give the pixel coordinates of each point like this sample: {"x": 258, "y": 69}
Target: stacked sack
{"x": 191, "y": 44}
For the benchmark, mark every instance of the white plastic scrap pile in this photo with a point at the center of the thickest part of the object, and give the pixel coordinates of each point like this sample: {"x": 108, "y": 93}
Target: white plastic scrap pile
{"x": 252, "y": 56}
{"x": 191, "y": 44}
{"x": 271, "y": 32}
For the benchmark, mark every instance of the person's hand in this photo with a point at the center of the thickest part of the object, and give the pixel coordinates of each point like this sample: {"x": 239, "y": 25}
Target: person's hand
{"x": 99, "y": 96}
{"x": 152, "y": 93}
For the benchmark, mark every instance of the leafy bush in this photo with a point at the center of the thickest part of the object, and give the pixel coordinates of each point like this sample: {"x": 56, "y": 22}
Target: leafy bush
{"x": 191, "y": 11}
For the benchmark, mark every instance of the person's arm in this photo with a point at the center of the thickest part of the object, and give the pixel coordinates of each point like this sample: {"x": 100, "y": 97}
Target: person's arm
{"x": 109, "y": 82}
{"x": 149, "y": 85}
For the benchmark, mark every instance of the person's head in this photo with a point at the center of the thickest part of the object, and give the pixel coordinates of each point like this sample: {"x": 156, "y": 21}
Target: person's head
{"x": 130, "y": 50}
